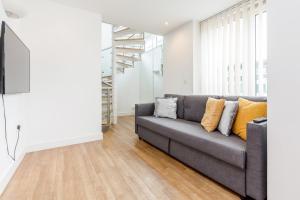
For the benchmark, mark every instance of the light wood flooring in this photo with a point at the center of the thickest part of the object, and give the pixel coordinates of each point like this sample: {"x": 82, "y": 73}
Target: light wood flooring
{"x": 119, "y": 167}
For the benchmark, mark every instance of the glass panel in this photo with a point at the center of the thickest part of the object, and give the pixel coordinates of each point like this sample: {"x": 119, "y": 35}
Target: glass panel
{"x": 106, "y": 62}
{"x": 106, "y": 54}
{"x": 150, "y": 69}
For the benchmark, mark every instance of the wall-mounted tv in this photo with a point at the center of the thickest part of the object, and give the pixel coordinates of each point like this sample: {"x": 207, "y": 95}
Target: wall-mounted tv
{"x": 14, "y": 63}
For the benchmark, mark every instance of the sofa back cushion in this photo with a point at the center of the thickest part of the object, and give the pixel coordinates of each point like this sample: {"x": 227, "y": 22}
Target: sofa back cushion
{"x": 180, "y": 104}
{"x": 236, "y": 98}
{"x": 194, "y": 107}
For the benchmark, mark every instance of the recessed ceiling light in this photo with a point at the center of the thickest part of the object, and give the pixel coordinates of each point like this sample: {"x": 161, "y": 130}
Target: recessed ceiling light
{"x": 166, "y": 23}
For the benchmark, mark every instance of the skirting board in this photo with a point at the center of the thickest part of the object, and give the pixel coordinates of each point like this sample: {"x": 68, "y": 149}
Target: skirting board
{"x": 61, "y": 143}
{"x": 14, "y": 166}
{"x": 125, "y": 114}
{"x": 10, "y": 172}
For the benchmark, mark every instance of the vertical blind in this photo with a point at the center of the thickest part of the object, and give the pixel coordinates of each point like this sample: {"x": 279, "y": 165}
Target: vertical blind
{"x": 233, "y": 50}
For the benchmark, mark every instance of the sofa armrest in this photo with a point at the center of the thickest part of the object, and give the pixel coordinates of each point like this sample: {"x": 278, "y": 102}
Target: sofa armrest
{"x": 256, "y": 169}
{"x": 146, "y": 109}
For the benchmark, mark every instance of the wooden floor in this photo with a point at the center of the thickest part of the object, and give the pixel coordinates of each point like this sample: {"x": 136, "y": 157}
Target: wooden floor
{"x": 119, "y": 167}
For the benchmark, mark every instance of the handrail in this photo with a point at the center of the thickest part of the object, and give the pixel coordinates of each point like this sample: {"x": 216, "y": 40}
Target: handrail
{"x": 107, "y": 96}
{"x": 106, "y": 48}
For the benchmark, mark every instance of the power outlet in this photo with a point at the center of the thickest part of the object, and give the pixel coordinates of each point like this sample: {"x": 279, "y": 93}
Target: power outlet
{"x": 19, "y": 127}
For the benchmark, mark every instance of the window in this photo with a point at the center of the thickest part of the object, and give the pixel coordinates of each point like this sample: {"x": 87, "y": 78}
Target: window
{"x": 234, "y": 51}
{"x": 261, "y": 54}
{"x": 152, "y": 41}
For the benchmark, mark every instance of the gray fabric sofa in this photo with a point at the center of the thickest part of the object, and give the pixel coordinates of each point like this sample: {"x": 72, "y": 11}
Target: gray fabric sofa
{"x": 236, "y": 164}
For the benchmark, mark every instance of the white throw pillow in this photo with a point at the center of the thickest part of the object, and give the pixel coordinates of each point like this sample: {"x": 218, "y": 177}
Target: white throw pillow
{"x": 228, "y": 117}
{"x": 166, "y": 107}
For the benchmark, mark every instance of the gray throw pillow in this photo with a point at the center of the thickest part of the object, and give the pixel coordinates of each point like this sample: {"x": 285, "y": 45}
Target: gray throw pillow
{"x": 228, "y": 117}
{"x": 166, "y": 107}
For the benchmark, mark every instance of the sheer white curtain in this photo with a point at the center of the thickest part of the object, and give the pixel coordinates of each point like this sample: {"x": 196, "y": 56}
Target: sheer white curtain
{"x": 228, "y": 50}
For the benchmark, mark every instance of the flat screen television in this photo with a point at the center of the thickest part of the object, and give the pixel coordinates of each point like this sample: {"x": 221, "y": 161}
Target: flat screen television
{"x": 14, "y": 63}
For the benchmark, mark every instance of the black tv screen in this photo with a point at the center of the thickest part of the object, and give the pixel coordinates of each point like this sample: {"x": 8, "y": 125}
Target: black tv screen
{"x": 15, "y": 63}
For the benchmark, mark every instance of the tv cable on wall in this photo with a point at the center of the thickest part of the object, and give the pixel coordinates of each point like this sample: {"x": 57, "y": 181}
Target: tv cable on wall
{"x": 12, "y": 156}
{"x": 14, "y": 74}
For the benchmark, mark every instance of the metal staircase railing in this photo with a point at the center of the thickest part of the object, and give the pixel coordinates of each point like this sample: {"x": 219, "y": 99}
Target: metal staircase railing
{"x": 107, "y": 104}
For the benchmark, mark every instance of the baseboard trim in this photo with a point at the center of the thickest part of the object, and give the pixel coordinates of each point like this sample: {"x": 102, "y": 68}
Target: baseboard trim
{"x": 10, "y": 172}
{"x": 67, "y": 142}
{"x": 4, "y": 181}
{"x": 125, "y": 114}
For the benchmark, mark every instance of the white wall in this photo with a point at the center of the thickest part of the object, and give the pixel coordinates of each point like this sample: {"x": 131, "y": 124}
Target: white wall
{"x": 283, "y": 96}
{"x": 15, "y": 115}
{"x": 64, "y": 105}
{"x": 179, "y": 61}
{"x": 65, "y": 71}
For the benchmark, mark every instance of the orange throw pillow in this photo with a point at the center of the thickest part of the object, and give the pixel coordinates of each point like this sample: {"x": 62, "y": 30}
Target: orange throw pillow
{"x": 247, "y": 112}
{"x": 213, "y": 112}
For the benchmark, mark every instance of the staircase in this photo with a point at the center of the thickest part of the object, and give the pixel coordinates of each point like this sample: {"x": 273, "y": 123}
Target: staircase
{"x": 107, "y": 106}
{"x": 128, "y": 45}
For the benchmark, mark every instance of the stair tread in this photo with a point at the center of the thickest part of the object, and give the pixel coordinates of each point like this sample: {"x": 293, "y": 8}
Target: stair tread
{"x": 121, "y": 30}
{"x": 129, "y": 57}
{"x": 131, "y": 48}
{"x": 130, "y": 39}
{"x": 124, "y": 63}
{"x": 125, "y": 33}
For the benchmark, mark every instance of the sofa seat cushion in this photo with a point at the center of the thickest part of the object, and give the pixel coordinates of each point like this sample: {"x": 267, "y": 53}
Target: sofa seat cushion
{"x": 228, "y": 149}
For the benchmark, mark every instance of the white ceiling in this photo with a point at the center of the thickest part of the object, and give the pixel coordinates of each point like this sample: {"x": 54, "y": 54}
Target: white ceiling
{"x": 150, "y": 15}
